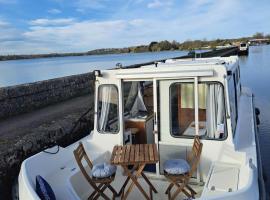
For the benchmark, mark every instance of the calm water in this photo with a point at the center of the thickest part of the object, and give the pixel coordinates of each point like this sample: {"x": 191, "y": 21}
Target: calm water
{"x": 255, "y": 73}
{"x": 26, "y": 71}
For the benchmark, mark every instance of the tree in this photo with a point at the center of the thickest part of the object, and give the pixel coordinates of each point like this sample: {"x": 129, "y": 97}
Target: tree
{"x": 153, "y": 46}
{"x": 174, "y": 44}
{"x": 267, "y": 36}
{"x": 258, "y": 35}
{"x": 165, "y": 45}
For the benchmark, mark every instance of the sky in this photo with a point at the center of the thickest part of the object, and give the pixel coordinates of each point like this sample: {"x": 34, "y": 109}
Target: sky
{"x": 39, "y": 26}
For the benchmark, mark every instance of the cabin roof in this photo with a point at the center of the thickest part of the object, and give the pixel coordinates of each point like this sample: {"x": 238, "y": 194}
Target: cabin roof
{"x": 228, "y": 62}
{"x": 178, "y": 68}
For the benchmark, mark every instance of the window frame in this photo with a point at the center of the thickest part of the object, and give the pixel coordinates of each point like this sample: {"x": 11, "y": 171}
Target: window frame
{"x": 235, "y": 96}
{"x": 231, "y": 78}
{"x": 235, "y": 101}
{"x": 201, "y": 137}
{"x": 118, "y": 115}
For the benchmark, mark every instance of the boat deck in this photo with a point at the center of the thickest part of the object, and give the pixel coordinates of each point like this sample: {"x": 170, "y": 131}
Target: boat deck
{"x": 160, "y": 183}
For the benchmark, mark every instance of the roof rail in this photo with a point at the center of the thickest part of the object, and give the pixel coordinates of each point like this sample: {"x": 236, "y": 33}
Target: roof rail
{"x": 214, "y": 53}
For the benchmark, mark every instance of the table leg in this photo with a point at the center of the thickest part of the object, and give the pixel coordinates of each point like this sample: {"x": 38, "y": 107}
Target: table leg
{"x": 127, "y": 180}
{"x": 149, "y": 183}
{"x": 124, "y": 186}
{"x": 134, "y": 179}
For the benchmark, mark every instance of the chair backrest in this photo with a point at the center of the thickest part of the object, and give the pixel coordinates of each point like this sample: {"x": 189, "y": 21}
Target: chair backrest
{"x": 80, "y": 154}
{"x": 194, "y": 157}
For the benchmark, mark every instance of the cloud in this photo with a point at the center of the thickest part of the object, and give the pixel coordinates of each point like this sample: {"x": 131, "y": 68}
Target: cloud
{"x": 3, "y": 23}
{"x": 54, "y": 11}
{"x": 159, "y": 3}
{"x": 86, "y": 35}
{"x": 52, "y": 22}
{"x": 8, "y": 33}
{"x": 134, "y": 24}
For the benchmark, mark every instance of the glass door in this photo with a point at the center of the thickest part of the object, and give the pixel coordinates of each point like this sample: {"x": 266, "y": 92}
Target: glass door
{"x": 176, "y": 117}
{"x": 108, "y": 125}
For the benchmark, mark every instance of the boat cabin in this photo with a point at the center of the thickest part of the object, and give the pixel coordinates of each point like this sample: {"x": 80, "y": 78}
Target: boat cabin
{"x": 168, "y": 104}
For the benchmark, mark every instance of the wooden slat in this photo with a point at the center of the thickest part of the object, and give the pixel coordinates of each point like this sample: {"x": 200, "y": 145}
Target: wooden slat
{"x": 117, "y": 155}
{"x": 132, "y": 154}
{"x": 137, "y": 153}
{"x": 141, "y": 155}
{"x": 127, "y": 154}
{"x": 155, "y": 152}
{"x": 151, "y": 153}
{"x": 113, "y": 154}
{"x": 122, "y": 157}
{"x": 146, "y": 153}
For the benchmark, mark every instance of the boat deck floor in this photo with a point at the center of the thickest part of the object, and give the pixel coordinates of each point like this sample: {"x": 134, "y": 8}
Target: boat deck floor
{"x": 160, "y": 184}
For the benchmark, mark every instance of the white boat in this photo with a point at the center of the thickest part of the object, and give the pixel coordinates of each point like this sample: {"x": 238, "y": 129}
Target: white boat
{"x": 243, "y": 48}
{"x": 169, "y": 103}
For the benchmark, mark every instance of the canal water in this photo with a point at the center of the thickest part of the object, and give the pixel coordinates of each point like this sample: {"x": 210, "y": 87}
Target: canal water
{"x": 255, "y": 73}
{"x": 26, "y": 71}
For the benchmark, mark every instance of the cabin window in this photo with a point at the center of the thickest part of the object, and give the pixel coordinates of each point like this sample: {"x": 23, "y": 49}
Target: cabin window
{"x": 211, "y": 110}
{"x": 138, "y": 98}
{"x": 108, "y": 105}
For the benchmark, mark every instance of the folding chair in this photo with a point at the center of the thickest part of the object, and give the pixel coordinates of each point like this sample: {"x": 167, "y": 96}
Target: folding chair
{"x": 99, "y": 184}
{"x": 179, "y": 171}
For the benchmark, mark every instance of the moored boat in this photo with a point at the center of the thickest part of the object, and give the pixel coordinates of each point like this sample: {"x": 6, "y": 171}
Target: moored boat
{"x": 243, "y": 49}
{"x": 165, "y": 104}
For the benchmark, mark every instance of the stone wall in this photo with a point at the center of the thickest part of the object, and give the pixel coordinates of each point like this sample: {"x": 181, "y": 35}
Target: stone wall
{"x": 13, "y": 152}
{"x": 23, "y": 98}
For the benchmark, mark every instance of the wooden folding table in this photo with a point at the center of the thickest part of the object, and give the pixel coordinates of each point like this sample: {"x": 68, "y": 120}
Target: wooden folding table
{"x": 138, "y": 156}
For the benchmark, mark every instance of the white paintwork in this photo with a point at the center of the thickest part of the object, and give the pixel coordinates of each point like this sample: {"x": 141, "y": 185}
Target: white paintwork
{"x": 156, "y": 119}
{"x": 238, "y": 150}
{"x": 196, "y": 105}
{"x": 161, "y": 73}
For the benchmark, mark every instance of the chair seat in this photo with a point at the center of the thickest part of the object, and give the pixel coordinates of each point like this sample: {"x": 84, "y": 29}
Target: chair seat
{"x": 103, "y": 170}
{"x": 176, "y": 166}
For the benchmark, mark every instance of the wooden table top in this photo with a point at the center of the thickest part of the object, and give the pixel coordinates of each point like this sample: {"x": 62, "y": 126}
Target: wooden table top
{"x": 134, "y": 154}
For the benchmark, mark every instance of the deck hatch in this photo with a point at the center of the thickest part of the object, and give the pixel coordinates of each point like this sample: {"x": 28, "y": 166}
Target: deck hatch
{"x": 224, "y": 178}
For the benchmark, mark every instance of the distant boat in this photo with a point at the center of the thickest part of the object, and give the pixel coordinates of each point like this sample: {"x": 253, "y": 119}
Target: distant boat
{"x": 257, "y": 42}
{"x": 243, "y": 49}
{"x": 224, "y": 46}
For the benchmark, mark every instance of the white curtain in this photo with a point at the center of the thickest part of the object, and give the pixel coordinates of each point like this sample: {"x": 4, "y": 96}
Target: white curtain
{"x": 215, "y": 111}
{"x": 132, "y": 95}
{"x": 187, "y": 95}
{"x": 105, "y": 93}
{"x": 139, "y": 103}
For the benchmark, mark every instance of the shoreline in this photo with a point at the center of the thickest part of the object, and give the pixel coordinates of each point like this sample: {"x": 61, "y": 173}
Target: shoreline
{"x": 56, "y": 55}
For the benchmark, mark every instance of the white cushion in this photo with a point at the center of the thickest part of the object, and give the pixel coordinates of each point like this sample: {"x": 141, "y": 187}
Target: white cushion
{"x": 176, "y": 166}
{"x": 103, "y": 170}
